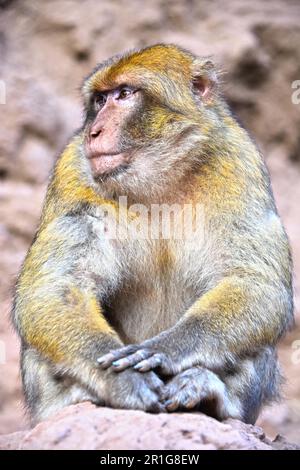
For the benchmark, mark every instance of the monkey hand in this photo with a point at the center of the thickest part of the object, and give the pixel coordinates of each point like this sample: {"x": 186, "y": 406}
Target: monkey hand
{"x": 142, "y": 357}
{"x": 131, "y": 390}
{"x": 196, "y": 386}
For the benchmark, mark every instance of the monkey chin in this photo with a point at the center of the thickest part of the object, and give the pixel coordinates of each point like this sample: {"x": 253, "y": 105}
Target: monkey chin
{"x": 105, "y": 165}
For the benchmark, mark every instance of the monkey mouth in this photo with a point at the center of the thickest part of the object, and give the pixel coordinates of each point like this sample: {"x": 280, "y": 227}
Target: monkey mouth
{"x": 106, "y": 163}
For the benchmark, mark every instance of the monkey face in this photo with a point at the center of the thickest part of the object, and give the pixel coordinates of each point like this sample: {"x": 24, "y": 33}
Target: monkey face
{"x": 105, "y": 146}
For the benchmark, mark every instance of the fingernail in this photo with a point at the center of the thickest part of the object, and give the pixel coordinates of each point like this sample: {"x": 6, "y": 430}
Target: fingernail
{"x": 137, "y": 366}
{"x": 116, "y": 363}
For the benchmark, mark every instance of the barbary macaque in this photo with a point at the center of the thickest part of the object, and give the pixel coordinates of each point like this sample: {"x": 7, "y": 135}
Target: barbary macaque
{"x": 155, "y": 323}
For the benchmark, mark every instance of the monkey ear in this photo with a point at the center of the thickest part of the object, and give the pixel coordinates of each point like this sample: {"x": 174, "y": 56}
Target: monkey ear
{"x": 204, "y": 79}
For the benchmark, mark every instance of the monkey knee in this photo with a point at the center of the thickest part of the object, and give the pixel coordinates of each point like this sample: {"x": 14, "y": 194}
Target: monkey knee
{"x": 33, "y": 373}
{"x": 265, "y": 385}
{"x": 255, "y": 383}
{"x": 268, "y": 371}
{"x": 45, "y": 390}
{"x": 51, "y": 404}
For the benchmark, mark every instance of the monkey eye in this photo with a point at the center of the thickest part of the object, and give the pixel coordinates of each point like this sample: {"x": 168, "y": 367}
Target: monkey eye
{"x": 124, "y": 93}
{"x": 100, "y": 100}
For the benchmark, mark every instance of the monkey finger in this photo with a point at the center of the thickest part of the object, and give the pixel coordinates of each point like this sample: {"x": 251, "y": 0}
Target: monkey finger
{"x": 131, "y": 360}
{"x": 160, "y": 407}
{"x": 157, "y": 407}
{"x": 168, "y": 393}
{"x": 157, "y": 387}
{"x": 190, "y": 402}
{"x": 171, "y": 405}
{"x": 149, "y": 392}
{"x": 151, "y": 363}
{"x": 106, "y": 360}
{"x": 164, "y": 394}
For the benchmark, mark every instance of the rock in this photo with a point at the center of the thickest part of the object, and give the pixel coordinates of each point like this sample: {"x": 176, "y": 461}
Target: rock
{"x": 86, "y": 426}
{"x": 35, "y": 160}
{"x": 11, "y": 441}
{"x": 20, "y": 218}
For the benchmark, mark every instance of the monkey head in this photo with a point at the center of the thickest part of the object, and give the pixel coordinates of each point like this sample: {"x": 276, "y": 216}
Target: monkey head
{"x": 145, "y": 113}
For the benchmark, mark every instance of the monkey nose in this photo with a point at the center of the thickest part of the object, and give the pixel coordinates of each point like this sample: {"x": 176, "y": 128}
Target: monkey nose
{"x": 96, "y": 129}
{"x": 95, "y": 132}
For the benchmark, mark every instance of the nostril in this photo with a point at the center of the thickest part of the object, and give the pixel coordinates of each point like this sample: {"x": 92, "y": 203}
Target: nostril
{"x": 94, "y": 133}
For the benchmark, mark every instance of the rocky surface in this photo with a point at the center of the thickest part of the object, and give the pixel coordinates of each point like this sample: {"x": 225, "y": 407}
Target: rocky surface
{"x": 46, "y": 48}
{"x": 85, "y": 426}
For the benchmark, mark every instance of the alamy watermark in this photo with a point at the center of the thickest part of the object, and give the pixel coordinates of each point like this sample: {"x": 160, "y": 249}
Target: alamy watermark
{"x": 2, "y": 92}
{"x": 296, "y": 93}
{"x": 157, "y": 221}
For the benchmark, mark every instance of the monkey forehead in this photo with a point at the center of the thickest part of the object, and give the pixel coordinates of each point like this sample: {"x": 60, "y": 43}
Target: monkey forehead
{"x": 150, "y": 66}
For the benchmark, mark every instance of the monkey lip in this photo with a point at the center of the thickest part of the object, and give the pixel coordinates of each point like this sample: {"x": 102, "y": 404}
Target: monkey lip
{"x": 107, "y": 162}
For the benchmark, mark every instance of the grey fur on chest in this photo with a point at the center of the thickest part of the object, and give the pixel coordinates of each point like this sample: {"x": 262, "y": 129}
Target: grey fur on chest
{"x": 144, "y": 280}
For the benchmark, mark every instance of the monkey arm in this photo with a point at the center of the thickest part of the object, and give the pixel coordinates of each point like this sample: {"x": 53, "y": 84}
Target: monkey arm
{"x": 56, "y": 310}
{"x": 235, "y": 318}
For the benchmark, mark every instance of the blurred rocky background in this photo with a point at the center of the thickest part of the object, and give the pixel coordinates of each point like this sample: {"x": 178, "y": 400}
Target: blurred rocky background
{"x": 46, "y": 48}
